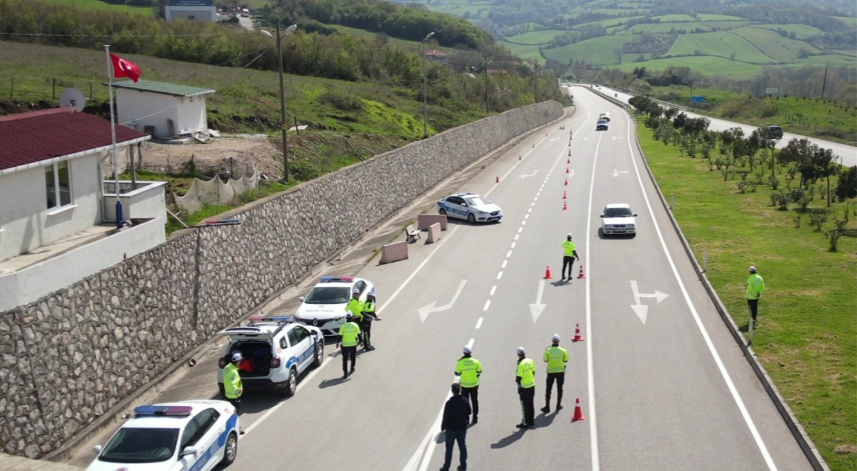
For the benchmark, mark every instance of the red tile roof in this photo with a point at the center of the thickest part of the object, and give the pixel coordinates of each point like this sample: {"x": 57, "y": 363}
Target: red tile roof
{"x": 27, "y": 138}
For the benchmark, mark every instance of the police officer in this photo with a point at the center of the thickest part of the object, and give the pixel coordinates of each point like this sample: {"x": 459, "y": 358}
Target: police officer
{"x": 469, "y": 369}
{"x": 755, "y": 287}
{"x": 348, "y": 333}
{"x": 556, "y": 357}
{"x": 232, "y": 386}
{"x": 366, "y": 326}
{"x": 355, "y": 307}
{"x": 526, "y": 379}
{"x": 569, "y": 254}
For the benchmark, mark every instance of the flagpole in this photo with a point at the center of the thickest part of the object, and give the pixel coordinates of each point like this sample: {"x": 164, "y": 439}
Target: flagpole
{"x": 110, "y": 73}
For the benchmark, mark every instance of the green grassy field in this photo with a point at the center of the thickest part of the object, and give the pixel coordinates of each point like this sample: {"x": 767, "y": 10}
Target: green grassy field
{"x": 721, "y": 44}
{"x": 714, "y": 17}
{"x": 525, "y": 52}
{"x": 593, "y": 51}
{"x": 674, "y": 18}
{"x": 807, "y": 335}
{"x": 800, "y": 31}
{"x": 849, "y": 20}
{"x": 706, "y": 65}
{"x": 773, "y": 45}
{"x": 99, "y": 5}
{"x": 535, "y": 37}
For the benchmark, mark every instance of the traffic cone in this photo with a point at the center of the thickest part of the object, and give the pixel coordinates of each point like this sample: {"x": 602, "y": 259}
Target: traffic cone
{"x": 534, "y": 146}
{"x": 564, "y": 206}
{"x": 569, "y": 152}
{"x": 498, "y": 180}
{"x": 581, "y": 275}
{"x": 566, "y": 182}
{"x": 568, "y": 161}
{"x": 519, "y": 156}
{"x": 567, "y": 170}
{"x": 577, "y": 336}
{"x": 578, "y": 411}
{"x": 548, "y": 273}
{"x": 564, "y": 196}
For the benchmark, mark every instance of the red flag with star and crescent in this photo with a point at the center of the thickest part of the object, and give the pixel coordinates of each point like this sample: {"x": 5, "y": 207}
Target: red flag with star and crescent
{"x": 125, "y": 68}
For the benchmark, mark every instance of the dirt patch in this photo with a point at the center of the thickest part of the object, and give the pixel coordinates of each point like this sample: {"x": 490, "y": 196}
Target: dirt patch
{"x": 233, "y": 154}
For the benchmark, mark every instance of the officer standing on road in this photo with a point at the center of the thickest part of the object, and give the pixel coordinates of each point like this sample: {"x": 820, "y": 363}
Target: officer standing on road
{"x": 526, "y": 379}
{"x": 469, "y": 369}
{"x": 232, "y": 386}
{"x": 355, "y": 307}
{"x": 348, "y": 333}
{"x": 569, "y": 254}
{"x": 556, "y": 357}
{"x": 755, "y": 287}
{"x": 366, "y": 326}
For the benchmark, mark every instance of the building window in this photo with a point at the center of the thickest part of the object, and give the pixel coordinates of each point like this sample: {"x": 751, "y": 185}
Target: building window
{"x": 191, "y": 17}
{"x": 58, "y": 185}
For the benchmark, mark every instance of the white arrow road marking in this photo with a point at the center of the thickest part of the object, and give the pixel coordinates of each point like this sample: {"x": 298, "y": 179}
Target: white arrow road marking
{"x": 429, "y": 308}
{"x": 533, "y": 175}
{"x": 641, "y": 309}
{"x": 571, "y": 173}
{"x": 537, "y": 308}
{"x": 616, "y": 173}
{"x": 555, "y": 139}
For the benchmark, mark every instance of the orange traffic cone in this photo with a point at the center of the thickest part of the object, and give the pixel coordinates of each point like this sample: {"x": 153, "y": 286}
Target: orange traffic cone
{"x": 568, "y": 161}
{"x": 577, "y": 336}
{"x": 564, "y": 206}
{"x": 567, "y": 170}
{"x": 566, "y": 182}
{"x": 548, "y": 273}
{"x": 498, "y": 180}
{"x": 564, "y": 196}
{"x": 578, "y": 412}
{"x": 581, "y": 275}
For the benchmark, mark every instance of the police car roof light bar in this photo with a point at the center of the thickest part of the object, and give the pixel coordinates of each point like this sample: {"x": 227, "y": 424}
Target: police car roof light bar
{"x": 172, "y": 411}
{"x": 329, "y": 279}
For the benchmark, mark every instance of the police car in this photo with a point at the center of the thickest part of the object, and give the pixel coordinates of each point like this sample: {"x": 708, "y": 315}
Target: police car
{"x": 469, "y": 206}
{"x": 275, "y": 351}
{"x": 324, "y": 306}
{"x": 176, "y": 436}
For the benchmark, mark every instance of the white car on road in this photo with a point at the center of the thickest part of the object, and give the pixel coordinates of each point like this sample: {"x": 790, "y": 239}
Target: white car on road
{"x": 177, "y": 436}
{"x": 469, "y": 206}
{"x": 324, "y": 306}
{"x": 618, "y": 219}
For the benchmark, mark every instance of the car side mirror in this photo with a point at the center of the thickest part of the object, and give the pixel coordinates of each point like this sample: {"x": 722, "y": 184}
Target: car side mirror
{"x": 97, "y": 449}
{"x": 635, "y": 214}
{"x": 602, "y": 215}
{"x": 189, "y": 450}
{"x": 301, "y": 299}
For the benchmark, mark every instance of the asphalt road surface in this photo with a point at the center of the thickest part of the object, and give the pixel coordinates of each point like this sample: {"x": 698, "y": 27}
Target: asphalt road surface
{"x": 847, "y": 155}
{"x": 662, "y": 384}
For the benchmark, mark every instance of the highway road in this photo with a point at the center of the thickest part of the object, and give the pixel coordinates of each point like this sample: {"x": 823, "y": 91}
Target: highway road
{"x": 661, "y": 381}
{"x": 847, "y": 154}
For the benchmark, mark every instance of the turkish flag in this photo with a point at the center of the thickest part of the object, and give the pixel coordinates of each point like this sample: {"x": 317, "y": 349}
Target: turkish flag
{"x": 125, "y": 68}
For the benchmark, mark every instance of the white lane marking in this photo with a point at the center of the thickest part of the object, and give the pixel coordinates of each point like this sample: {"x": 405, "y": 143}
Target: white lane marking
{"x": 470, "y": 343}
{"x": 479, "y": 323}
{"x": 526, "y": 216}
{"x": 590, "y": 369}
{"x": 519, "y": 229}
{"x": 499, "y": 275}
{"x": 493, "y": 289}
{"x": 720, "y": 366}
{"x": 508, "y": 254}
{"x": 516, "y": 238}
{"x": 422, "y": 456}
{"x": 524, "y": 223}
{"x": 513, "y": 245}
{"x": 530, "y": 210}
{"x": 487, "y": 303}
{"x": 504, "y": 264}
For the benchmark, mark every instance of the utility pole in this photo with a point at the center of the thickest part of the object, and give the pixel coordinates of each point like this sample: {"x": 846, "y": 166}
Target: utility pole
{"x": 486, "y": 86}
{"x": 425, "y": 87}
{"x": 284, "y": 124}
{"x": 536, "y": 82}
{"x": 824, "y": 83}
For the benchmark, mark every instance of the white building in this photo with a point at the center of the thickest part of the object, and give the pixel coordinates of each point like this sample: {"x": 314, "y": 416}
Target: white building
{"x": 196, "y": 10}
{"x": 166, "y": 110}
{"x": 55, "y": 208}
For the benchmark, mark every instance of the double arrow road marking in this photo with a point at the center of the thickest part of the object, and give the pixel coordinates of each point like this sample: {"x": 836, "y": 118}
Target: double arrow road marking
{"x": 641, "y": 309}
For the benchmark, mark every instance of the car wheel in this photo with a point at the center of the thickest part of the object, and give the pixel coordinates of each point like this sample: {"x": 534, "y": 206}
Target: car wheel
{"x": 471, "y": 218}
{"x": 292, "y": 384}
{"x": 319, "y": 354}
{"x": 230, "y": 451}
{"x": 222, "y": 390}
{"x": 441, "y": 211}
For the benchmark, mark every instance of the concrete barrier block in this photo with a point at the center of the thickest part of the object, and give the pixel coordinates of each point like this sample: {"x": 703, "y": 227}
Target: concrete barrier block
{"x": 426, "y": 220}
{"x": 394, "y": 252}
{"x": 433, "y": 233}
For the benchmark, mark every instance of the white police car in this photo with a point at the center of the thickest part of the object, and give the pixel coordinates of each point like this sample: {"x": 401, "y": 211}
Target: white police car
{"x": 275, "y": 351}
{"x": 469, "y": 206}
{"x": 178, "y": 436}
{"x": 324, "y": 306}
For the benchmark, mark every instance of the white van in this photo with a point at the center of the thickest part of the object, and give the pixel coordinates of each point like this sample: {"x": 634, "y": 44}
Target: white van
{"x": 604, "y": 116}
{"x": 245, "y": 12}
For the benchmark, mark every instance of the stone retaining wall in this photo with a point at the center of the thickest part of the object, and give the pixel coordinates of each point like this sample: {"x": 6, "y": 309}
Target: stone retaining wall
{"x": 72, "y": 355}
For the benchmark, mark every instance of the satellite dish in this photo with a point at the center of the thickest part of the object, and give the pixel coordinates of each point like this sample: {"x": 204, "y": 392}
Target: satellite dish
{"x": 72, "y": 97}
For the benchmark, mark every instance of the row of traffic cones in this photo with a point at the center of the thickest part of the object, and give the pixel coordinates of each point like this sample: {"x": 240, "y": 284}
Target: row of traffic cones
{"x": 580, "y": 274}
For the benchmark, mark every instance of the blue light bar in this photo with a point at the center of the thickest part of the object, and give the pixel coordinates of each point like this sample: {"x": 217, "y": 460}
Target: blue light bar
{"x": 174, "y": 411}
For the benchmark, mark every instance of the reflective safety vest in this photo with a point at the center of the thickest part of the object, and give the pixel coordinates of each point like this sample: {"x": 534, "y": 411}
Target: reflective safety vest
{"x": 368, "y": 306}
{"x": 232, "y": 382}
{"x": 469, "y": 369}
{"x": 568, "y": 248}
{"x": 556, "y": 358}
{"x": 755, "y": 286}
{"x": 349, "y": 332}
{"x": 527, "y": 373}
{"x": 355, "y": 307}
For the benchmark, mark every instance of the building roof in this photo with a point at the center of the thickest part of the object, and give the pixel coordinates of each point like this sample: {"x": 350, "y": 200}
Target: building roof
{"x": 162, "y": 88}
{"x": 59, "y": 133}
{"x": 436, "y": 53}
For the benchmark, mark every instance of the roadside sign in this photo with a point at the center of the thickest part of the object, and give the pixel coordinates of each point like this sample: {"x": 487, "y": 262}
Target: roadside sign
{"x": 772, "y": 91}
{"x": 697, "y": 98}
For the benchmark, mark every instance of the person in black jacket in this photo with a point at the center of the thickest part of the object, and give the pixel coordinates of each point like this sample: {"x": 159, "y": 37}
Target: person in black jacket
{"x": 456, "y": 416}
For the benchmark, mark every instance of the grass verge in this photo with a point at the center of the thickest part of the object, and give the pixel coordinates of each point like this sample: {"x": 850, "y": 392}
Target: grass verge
{"x": 807, "y": 339}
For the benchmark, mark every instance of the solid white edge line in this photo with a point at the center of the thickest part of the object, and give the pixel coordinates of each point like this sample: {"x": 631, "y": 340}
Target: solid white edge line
{"x": 590, "y": 369}
{"x": 720, "y": 366}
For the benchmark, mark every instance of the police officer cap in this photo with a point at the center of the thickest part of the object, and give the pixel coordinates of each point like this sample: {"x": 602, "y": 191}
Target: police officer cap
{"x": 348, "y": 315}
{"x": 237, "y": 357}
{"x": 555, "y": 337}
{"x": 752, "y": 269}
{"x": 569, "y": 235}
{"x": 467, "y": 349}
{"x": 355, "y": 291}
{"x": 521, "y": 351}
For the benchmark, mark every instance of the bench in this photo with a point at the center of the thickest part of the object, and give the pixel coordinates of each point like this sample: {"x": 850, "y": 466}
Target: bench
{"x": 411, "y": 234}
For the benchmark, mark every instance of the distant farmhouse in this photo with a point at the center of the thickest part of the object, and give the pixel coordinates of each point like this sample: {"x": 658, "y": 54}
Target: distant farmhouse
{"x": 162, "y": 110}
{"x": 196, "y": 10}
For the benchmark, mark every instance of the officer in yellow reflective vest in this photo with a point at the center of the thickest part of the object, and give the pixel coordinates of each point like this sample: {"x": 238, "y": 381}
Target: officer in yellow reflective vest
{"x": 469, "y": 369}
{"x": 526, "y": 379}
{"x": 348, "y": 333}
{"x": 366, "y": 326}
{"x": 569, "y": 253}
{"x": 232, "y": 386}
{"x": 355, "y": 307}
{"x": 556, "y": 357}
{"x": 755, "y": 287}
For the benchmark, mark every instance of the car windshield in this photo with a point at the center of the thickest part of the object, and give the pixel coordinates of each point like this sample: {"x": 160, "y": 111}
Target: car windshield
{"x": 140, "y": 445}
{"x": 476, "y": 201}
{"x": 328, "y": 295}
{"x": 618, "y": 212}
{"x": 601, "y": 121}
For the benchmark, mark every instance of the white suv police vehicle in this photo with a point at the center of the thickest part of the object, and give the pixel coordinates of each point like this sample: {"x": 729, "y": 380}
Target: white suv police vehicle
{"x": 469, "y": 206}
{"x": 176, "y": 436}
{"x": 324, "y": 306}
{"x": 275, "y": 350}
